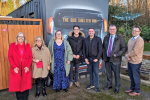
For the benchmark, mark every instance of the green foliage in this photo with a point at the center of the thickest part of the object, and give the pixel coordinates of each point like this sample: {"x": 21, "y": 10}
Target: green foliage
{"x": 114, "y": 10}
{"x": 129, "y": 32}
{"x": 145, "y": 33}
{"x": 121, "y": 31}
{"x": 126, "y": 40}
{"x": 17, "y": 3}
{"x": 10, "y": 5}
{"x": 121, "y": 25}
{"x": 146, "y": 46}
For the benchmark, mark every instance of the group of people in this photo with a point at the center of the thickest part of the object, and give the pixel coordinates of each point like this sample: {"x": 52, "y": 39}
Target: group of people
{"x": 61, "y": 56}
{"x": 114, "y": 47}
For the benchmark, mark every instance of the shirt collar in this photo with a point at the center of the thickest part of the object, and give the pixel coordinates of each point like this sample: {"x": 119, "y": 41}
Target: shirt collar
{"x": 113, "y": 36}
{"x": 133, "y": 38}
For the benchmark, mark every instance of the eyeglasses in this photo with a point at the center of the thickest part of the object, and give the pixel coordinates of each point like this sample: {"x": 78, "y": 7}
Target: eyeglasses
{"x": 58, "y": 34}
{"x": 20, "y": 36}
{"x": 112, "y": 29}
{"x": 38, "y": 40}
{"x": 135, "y": 31}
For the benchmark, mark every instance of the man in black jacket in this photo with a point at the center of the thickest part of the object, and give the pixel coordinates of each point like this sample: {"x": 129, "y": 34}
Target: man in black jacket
{"x": 75, "y": 40}
{"x": 114, "y": 47}
{"x": 92, "y": 53}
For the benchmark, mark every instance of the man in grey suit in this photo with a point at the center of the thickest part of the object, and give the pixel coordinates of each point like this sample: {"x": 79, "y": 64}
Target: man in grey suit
{"x": 114, "y": 47}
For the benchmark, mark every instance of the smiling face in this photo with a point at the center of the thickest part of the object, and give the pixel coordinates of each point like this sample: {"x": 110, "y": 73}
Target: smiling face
{"x": 58, "y": 35}
{"x": 39, "y": 42}
{"x": 76, "y": 30}
{"x": 112, "y": 30}
{"x": 20, "y": 38}
{"x": 136, "y": 32}
{"x": 91, "y": 32}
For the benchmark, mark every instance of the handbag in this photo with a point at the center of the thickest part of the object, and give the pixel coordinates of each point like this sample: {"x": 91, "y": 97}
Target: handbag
{"x": 39, "y": 64}
{"x": 49, "y": 79}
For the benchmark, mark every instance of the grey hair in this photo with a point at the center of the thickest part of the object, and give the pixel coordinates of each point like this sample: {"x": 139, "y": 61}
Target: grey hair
{"x": 112, "y": 26}
{"x": 43, "y": 43}
{"x": 25, "y": 41}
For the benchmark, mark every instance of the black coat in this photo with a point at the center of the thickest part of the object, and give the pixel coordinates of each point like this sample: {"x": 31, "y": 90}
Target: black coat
{"x": 96, "y": 47}
{"x": 76, "y": 46}
{"x": 119, "y": 48}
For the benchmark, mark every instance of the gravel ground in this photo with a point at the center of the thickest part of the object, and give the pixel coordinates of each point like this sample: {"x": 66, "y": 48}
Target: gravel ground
{"x": 146, "y": 52}
{"x": 83, "y": 94}
{"x": 145, "y": 62}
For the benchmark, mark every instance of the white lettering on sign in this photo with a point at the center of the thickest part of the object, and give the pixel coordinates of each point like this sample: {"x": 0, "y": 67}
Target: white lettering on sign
{"x": 4, "y": 29}
{"x": 80, "y": 20}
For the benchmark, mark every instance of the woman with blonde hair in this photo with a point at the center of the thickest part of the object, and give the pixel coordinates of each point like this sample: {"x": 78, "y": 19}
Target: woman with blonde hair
{"x": 40, "y": 65}
{"x": 20, "y": 58}
{"x": 61, "y": 54}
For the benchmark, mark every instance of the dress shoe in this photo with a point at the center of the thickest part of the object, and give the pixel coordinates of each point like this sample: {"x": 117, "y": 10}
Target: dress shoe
{"x": 106, "y": 88}
{"x": 66, "y": 90}
{"x": 134, "y": 94}
{"x": 128, "y": 91}
{"x": 116, "y": 91}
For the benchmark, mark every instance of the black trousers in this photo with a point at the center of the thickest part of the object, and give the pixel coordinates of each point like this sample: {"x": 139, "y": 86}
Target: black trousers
{"x": 22, "y": 95}
{"x": 115, "y": 67}
{"x": 73, "y": 64}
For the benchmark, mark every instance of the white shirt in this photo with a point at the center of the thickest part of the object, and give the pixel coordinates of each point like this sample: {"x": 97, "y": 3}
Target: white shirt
{"x": 133, "y": 38}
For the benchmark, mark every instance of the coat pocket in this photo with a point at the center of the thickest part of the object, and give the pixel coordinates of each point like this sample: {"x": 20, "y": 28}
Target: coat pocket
{"x": 13, "y": 72}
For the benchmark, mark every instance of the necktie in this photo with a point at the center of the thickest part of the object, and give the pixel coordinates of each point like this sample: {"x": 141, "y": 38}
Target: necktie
{"x": 109, "y": 49}
{"x": 133, "y": 38}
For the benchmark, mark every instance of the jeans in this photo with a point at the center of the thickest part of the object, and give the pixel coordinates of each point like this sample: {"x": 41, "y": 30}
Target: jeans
{"x": 93, "y": 68}
{"x": 134, "y": 74}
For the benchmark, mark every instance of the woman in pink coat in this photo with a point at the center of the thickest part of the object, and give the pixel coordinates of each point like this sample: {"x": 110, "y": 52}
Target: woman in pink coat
{"x": 20, "y": 58}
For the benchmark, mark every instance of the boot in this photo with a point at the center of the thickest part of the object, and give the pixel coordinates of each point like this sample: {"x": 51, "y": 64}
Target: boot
{"x": 43, "y": 88}
{"x": 66, "y": 90}
{"x": 57, "y": 90}
{"x": 37, "y": 87}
